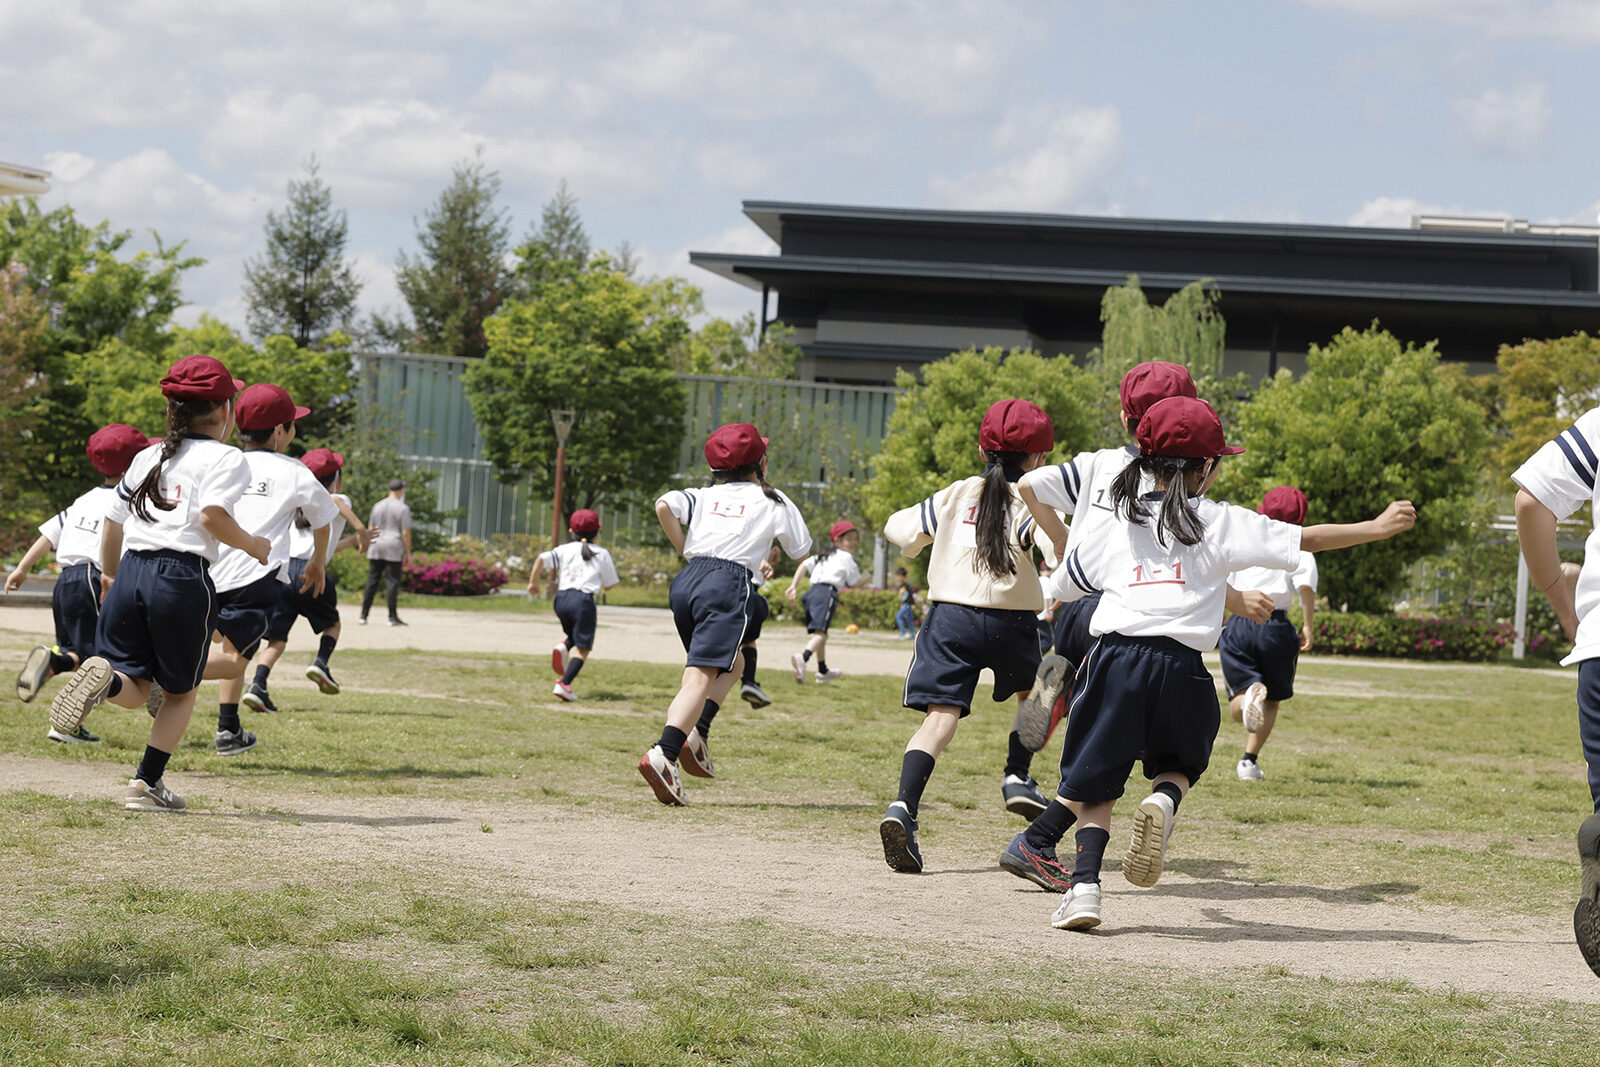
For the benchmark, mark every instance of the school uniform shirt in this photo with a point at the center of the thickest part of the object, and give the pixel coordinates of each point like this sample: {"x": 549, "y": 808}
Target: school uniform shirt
{"x": 1080, "y": 488}
{"x": 838, "y": 570}
{"x": 948, "y": 521}
{"x": 1279, "y": 585}
{"x": 202, "y": 473}
{"x": 278, "y": 487}
{"x": 301, "y": 544}
{"x": 1561, "y": 476}
{"x": 736, "y": 521}
{"x": 586, "y": 576}
{"x": 75, "y": 531}
{"x": 1175, "y": 590}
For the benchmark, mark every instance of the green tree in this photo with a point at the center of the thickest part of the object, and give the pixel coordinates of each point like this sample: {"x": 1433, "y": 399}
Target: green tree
{"x": 601, "y": 345}
{"x": 933, "y": 434}
{"x": 301, "y": 285}
{"x": 733, "y": 348}
{"x": 461, "y": 276}
{"x": 23, "y": 325}
{"x": 1542, "y": 388}
{"x": 1370, "y": 421}
{"x": 557, "y": 246}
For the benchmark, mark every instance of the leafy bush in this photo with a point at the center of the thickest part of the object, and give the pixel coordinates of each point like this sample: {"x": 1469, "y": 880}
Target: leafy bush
{"x": 1410, "y": 637}
{"x": 870, "y": 609}
{"x": 449, "y": 576}
{"x": 348, "y": 569}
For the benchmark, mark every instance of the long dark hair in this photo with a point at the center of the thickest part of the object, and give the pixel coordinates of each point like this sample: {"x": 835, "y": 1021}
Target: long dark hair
{"x": 994, "y": 504}
{"x": 742, "y": 474}
{"x": 1177, "y": 518}
{"x": 181, "y": 417}
{"x": 583, "y": 539}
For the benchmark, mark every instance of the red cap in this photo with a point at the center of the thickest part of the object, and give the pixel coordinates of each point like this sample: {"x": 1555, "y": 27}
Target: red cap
{"x": 261, "y": 407}
{"x": 735, "y": 445}
{"x": 584, "y": 521}
{"x": 1149, "y": 382}
{"x": 323, "y": 462}
{"x": 1016, "y": 426}
{"x": 199, "y": 377}
{"x": 1285, "y": 503}
{"x": 1185, "y": 427}
{"x": 112, "y": 448}
{"x": 840, "y": 528}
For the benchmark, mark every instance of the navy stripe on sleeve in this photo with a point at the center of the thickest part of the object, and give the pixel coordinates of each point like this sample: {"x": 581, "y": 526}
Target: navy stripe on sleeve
{"x": 1075, "y": 572}
{"x": 922, "y": 513}
{"x": 1025, "y": 532}
{"x": 1071, "y": 481}
{"x": 1582, "y": 443}
{"x": 1584, "y": 473}
{"x": 687, "y": 495}
{"x": 933, "y": 516}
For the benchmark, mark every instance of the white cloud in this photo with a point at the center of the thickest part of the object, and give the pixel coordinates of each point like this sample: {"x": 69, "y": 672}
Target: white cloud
{"x": 1064, "y": 161}
{"x": 1396, "y": 212}
{"x": 1567, "y": 22}
{"x": 1511, "y": 123}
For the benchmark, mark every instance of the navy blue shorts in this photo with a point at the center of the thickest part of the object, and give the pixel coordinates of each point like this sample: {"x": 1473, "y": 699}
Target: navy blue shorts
{"x": 820, "y": 602}
{"x": 1073, "y": 639}
{"x": 1589, "y": 722}
{"x": 1147, "y": 698}
{"x": 157, "y": 620}
{"x": 320, "y": 612}
{"x": 710, "y": 601}
{"x": 1264, "y": 652}
{"x": 243, "y": 613}
{"x": 956, "y": 642}
{"x": 760, "y": 611}
{"x": 75, "y": 603}
{"x": 575, "y": 609}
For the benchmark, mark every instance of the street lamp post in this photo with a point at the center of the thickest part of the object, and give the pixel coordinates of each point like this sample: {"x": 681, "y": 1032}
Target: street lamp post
{"x": 563, "y": 420}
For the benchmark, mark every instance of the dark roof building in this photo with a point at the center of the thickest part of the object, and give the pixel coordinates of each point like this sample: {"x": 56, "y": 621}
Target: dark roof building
{"x": 872, "y": 289}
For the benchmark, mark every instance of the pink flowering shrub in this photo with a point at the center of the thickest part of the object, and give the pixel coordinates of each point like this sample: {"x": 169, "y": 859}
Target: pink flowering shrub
{"x": 1410, "y": 637}
{"x": 449, "y": 576}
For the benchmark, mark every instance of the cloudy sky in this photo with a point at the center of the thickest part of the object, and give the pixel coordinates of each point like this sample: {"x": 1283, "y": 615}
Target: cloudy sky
{"x": 187, "y": 117}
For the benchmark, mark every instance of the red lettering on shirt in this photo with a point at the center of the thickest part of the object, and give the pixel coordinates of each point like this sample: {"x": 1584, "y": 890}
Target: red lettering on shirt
{"x": 1152, "y": 574}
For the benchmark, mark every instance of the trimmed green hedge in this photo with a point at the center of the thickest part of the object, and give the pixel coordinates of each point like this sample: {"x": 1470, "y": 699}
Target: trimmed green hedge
{"x": 1410, "y": 637}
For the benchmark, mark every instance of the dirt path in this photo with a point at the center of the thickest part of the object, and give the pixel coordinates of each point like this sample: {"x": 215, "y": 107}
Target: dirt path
{"x": 1204, "y": 921}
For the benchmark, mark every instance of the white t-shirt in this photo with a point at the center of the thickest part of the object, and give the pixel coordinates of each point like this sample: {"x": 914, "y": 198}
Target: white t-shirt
{"x": 1082, "y": 489}
{"x": 278, "y": 486}
{"x": 75, "y": 532}
{"x": 300, "y": 543}
{"x": 1561, "y": 476}
{"x": 735, "y": 521}
{"x": 203, "y": 473}
{"x": 948, "y": 520}
{"x": 838, "y": 570}
{"x": 1175, "y": 590}
{"x": 1280, "y": 585}
{"x": 586, "y": 576}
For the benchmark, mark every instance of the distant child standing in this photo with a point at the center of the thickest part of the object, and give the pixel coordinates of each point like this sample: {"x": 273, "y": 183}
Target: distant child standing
{"x": 1143, "y": 692}
{"x": 584, "y": 569}
{"x": 1259, "y": 659}
{"x": 173, "y": 511}
{"x": 983, "y": 603}
{"x": 905, "y": 619}
{"x": 74, "y": 535}
{"x": 832, "y": 569}
{"x": 389, "y": 551}
{"x": 724, "y": 531}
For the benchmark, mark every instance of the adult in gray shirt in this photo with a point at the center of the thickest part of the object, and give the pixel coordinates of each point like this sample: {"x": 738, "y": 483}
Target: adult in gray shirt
{"x": 390, "y": 549}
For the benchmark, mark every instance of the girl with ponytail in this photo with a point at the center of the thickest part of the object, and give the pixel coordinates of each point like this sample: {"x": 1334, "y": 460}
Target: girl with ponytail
{"x": 584, "y": 570}
{"x": 983, "y": 604}
{"x": 832, "y": 569}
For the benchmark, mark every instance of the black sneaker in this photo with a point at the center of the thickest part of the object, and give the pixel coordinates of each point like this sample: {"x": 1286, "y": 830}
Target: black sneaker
{"x": 1022, "y": 797}
{"x": 1039, "y": 866}
{"x": 81, "y": 736}
{"x": 233, "y": 742}
{"x": 396, "y": 620}
{"x": 754, "y": 695}
{"x": 1586, "y": 917}
{"x": 256, "y": 699}
{"x": 899, "y": 832}
{"x": 318, "y": 672}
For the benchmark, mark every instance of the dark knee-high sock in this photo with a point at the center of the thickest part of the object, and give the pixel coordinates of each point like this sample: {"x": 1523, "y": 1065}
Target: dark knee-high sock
{"x": 671, "y": 742}
{"x": 1170, "y": 789}
{"x": 262, "y": 670}
{"x": 915, "y": 769}
{"x": 228, "y": 718}
{"x": 62, "y": 663}
{"x": 1050, "y": 826}
{"x": 749, "y": 676}
{"x": 116, "y": 685}
{"x": 709, "y": 713}
{"x": 574, "y": 665}
{"x": 1092, "y": 843}
{"x": 325, "y": 647}
{"x": 152, "y": 766}
{"x": 1019, "y": 758}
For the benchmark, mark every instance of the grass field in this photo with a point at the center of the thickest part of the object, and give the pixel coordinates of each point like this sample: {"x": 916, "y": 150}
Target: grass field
{"x": 243, "y": 940}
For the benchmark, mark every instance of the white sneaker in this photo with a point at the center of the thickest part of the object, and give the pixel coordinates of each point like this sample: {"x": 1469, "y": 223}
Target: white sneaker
{"x": 832, "y": 674}
{"x": 798, "y": 662}
{"x": 1249, "y": 770}
{"x": 1254, "y": 707}
{"x": 558, "y": 658}
{"x": 85, "y": 690}
{"x": 1152, "y": 826}
{"x": 662, "y": 774}
{"x": 564, "y": 691}
{"x": 696, "y": 756}
{"x": 1080, "y": 908}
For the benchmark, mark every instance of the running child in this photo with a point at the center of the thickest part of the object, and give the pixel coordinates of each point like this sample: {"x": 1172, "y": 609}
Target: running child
{"x": 74, "y": 535}
{"x": 1555, "y": 482}
{"x": 320, "y": 610}
{"x": 173, "y": 510}
{"x": 1143, "y": 692}
{"x": 1259, "y": 659}
{"x": 249, "y": 591}
{"x": 724, "y": 531}
{"x": 832, "y": 569}
{"x": 983, "y": 603}
{"x": 584, "y": 569}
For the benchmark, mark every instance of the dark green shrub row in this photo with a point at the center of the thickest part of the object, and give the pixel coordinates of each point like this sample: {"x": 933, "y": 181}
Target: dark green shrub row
{"x": 1410, "y": 637}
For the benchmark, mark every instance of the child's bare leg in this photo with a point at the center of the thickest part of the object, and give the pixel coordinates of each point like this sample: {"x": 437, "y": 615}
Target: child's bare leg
{"x": 171, "y": 721}
{"x": 937, "y": 729}
{"x": 272, "y": 653}
{"x": 817, "y": 645}
{"x": 1254, "y": 741}
{"x": 1236, "y": 706}
{"x": 684, "y": 711}
{"x": 134, "y": 692}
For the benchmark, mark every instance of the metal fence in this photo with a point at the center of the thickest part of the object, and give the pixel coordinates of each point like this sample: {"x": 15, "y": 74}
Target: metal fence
{"x": 822, "y": 431}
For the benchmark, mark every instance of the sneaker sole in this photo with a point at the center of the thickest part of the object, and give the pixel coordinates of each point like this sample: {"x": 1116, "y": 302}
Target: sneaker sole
{"x": 1034, "y": 714}
{"x": 1027, "y": 807}
{"x": 659, "y": 785}
{"x": 1023, "y": 869}
{"x": 323, "y": 682}
{"x": 1081, "y": 921}
{"x": 35, "y": 672}
{"x": 71, "y": 739}
{"x": 755, "y": 701}
{"x": 799, "y": 670}
{"x": 153, "y": 702}
{"x": 897, "y": 847}
{"x": 1142, "y": 864}
{"x": 1586, "y": 916}
{"x": 135, "y": 805}
{"x": 255, "y": 703}
{"x": 564, "y": 698}
{"x": 1254, "y": 714}
{"x": 235, "y": 751}
{"x": 691, "y": 765}
{"x": 85, "y": 688}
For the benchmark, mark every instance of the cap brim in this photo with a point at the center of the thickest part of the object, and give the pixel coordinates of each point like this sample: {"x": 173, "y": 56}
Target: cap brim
{"x": 1230, "y": 450}
{"x": 300, "y": 412}
{"x": 238, "y": 385}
